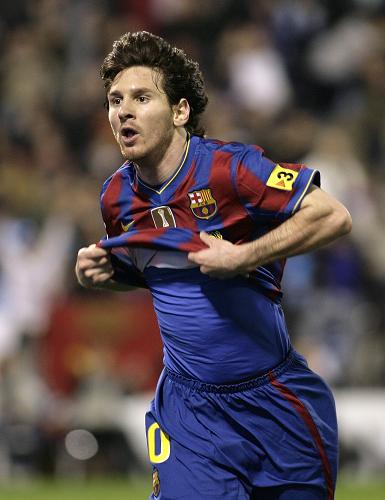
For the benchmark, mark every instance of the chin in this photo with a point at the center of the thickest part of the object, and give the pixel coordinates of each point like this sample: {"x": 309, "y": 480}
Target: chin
{"x": 129, "y": 154}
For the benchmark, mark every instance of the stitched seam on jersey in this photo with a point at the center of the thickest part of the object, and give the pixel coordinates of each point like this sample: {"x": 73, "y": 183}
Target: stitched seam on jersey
{"x": 304, "y": 192}
{"x": 160, "y": 191}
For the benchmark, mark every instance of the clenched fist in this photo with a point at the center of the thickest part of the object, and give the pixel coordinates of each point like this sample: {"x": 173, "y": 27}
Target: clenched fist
{"x": 93, "y": 267}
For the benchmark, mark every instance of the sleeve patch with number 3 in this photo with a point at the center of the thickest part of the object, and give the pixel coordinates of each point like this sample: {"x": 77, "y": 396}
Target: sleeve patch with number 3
{"x": 282, "y": 178}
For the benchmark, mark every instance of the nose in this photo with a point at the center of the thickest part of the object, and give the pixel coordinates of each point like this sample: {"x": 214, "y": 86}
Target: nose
{"x": 126, "y": 111}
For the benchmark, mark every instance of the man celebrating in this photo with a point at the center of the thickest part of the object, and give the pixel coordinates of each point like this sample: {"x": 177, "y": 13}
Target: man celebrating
{"x": 206, "y": 227}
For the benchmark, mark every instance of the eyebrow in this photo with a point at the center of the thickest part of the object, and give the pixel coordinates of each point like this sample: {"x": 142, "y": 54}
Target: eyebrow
{"x": 142, "y": 90}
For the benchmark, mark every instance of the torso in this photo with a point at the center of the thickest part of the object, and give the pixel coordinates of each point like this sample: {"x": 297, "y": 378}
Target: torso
{"x": 217, "y": 331}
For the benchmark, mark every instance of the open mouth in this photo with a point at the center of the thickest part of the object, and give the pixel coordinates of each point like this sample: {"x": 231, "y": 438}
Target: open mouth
{"x": 128, "y": 132}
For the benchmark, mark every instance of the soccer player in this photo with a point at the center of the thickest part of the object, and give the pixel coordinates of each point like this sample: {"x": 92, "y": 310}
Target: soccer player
{"x": 206, "y": 226}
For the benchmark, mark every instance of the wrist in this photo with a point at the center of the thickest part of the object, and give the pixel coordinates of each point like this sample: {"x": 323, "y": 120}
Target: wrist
{"x": 247, "y": 257}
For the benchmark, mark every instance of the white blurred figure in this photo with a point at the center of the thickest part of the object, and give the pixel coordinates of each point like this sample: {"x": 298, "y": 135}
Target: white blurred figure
{"x": 33, "y": 267}
{"x": 256, "y": 73}
{"x": 336, "y": 54}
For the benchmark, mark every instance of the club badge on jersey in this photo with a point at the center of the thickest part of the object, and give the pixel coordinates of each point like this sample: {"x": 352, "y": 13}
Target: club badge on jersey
{"x": 155, "y": 482}
{"x": 202, "y": 203}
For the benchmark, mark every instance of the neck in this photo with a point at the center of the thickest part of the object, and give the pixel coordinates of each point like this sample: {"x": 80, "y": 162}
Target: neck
{"x": 155, "y": 171}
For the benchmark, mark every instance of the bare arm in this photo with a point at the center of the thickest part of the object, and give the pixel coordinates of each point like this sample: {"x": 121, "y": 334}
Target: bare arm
{"x": 94, "y": 270}
{"x": 320, "y": 220}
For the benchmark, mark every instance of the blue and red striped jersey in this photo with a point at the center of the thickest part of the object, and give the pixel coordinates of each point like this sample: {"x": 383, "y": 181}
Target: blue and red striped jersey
{"x": 217, "y": 331}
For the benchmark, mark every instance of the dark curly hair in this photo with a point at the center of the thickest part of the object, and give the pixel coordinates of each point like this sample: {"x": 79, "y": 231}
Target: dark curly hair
{"x": 182, "y": 77}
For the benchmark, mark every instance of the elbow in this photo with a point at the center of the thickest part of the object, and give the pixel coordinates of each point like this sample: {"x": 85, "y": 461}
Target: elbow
{"x": 342, "y": 221}
{"x": 348, "y": 226}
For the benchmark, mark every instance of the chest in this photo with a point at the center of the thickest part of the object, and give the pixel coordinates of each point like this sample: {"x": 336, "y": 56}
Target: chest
{"x": 197, "y": 202}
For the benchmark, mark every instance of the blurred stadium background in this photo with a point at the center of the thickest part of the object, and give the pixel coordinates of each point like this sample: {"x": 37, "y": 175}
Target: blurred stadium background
{"x": 305, "y": 79}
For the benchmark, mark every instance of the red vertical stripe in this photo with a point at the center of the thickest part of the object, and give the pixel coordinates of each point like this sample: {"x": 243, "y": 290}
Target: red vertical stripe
{"x": 232, "y": 212}
{"x": 110, "y": 204}
{"x": 303, "y": 412}
{"x": 139, "y": 210}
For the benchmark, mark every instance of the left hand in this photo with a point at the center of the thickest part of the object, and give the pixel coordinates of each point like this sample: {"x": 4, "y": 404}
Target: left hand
{"x": 220, "y": 260}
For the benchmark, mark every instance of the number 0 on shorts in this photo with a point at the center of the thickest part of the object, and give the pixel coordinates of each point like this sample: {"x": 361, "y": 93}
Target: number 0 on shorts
{"x": 158, "y": 444}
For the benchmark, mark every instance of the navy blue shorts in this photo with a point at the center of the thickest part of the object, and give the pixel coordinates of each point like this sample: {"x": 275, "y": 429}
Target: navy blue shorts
{"x": 273, "y": 437}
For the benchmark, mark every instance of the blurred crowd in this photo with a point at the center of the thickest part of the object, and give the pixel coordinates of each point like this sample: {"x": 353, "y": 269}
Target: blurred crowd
{"x": 304, "y": 79}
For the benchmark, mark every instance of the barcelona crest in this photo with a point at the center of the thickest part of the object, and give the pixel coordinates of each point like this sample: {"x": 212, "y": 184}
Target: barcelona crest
{"x": 202, "y": 203}
{"x": 155, "y": 482}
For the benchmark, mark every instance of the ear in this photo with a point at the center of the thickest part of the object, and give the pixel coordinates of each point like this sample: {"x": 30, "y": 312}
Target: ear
{"x": 181, "y": 112}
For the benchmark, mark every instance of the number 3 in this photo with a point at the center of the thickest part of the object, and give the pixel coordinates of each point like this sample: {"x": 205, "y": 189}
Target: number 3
{"x": 287, "y": 175}
{"x": 164, "y": 452}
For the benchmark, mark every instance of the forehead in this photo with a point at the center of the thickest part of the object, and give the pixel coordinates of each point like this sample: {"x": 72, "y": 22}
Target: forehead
{"x": 138, "y": 77}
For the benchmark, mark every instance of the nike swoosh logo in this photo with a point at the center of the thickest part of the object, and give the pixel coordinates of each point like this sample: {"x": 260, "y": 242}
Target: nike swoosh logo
{"x": 126, "y": 227}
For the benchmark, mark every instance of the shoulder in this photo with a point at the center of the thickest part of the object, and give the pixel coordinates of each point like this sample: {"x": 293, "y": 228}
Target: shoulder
{"x": 124, "y": 171}
{"x": 234, "y": 148}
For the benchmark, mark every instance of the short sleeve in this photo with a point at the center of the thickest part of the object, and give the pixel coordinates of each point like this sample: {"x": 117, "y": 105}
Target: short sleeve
{"x": 269, "y": 190}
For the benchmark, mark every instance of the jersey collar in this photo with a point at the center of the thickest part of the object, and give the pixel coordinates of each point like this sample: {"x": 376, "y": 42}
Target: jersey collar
{"x": 170, "y": 185}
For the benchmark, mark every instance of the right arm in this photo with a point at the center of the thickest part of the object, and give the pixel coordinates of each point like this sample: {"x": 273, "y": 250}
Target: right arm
{"x": 94, "y": 270}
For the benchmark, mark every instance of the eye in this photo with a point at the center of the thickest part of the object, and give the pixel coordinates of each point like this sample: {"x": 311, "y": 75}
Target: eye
{"x": 115, "y": 101}
{"x": 143, "y": 99}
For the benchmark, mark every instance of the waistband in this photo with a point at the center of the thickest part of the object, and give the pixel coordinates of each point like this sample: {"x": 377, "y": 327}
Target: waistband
{"x": 232, "y": 388}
